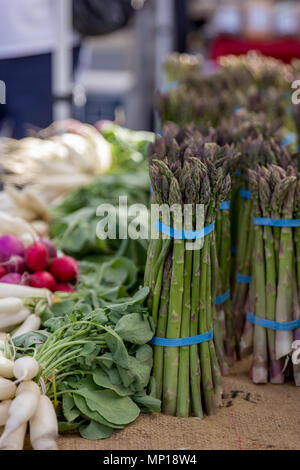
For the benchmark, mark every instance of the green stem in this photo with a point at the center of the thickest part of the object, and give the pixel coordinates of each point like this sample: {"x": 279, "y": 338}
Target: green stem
{"x": 173, "y": 327}
{"x": 183, "y": 399}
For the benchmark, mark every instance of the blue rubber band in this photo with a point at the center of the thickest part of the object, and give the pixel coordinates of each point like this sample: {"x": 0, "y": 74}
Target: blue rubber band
{"x": 276, "y": 222}
{"x": 273, "y": 325}
{"x": 170, "y": 342}
{"x": 184, "y": 234}
{"x": 245, "y": 194}
{"x": 238, "y": 172}
{"x": 233, "y": 250}
{"x": 242, "y": 278}
{"x": 225, "y": 205}
{"x": 289, "y": 139}
{"x": 220, "y": 299}
{"x": 151, "y": 190}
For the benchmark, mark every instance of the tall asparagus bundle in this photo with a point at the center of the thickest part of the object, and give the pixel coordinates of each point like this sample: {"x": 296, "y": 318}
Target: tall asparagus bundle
{"x": 275, "y": 284}
{"x": 183, "y": 281}
{"x": 254, "y": 151}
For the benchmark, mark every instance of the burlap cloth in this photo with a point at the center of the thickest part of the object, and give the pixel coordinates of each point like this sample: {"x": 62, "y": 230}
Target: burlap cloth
{"x": 252, "y": 417}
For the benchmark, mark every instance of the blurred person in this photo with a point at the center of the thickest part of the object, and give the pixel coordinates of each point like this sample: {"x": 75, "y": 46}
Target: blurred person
{"x": 27, "y": 40}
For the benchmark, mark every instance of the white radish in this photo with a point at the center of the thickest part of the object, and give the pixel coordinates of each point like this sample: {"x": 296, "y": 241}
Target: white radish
{"x": 25, "y": 368}
{"x": 28, "y": 386}
{"x": 7, "y": 389}
{"x": 32, "y": 323}
{"x": 4, "y": 407}
{"x": 15, "y": 225}
{"x": 6, "y": 321}
{"x": 3, "y": 338}
{"x": 15, "y": 290}
{"x": 43, "y": 426}
{"x": 21, "y": 409}
{"x": 15, "y": 439}
{"x": 10, "y": 305}
{"x": 27, "y": 239}
{"x": 6, "y": 368}
{"x": 3, "y": 341}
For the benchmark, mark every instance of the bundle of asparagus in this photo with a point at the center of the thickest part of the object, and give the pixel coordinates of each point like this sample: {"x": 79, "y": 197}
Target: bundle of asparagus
{"x": 183, "y": 281}
{"x": 182, "y": 67}
{"x": 252, "y": 82}
{"x": 254, "y": 151}
{"x": 275, "y": 286}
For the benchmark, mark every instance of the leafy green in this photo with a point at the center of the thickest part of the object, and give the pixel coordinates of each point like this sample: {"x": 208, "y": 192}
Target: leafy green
{"x": 116, "y": 409}
{"x": 69, "y": 408}
{"x": 97, "y": 351}
{"x": 135, "y": 328}
{"x": 94, "y": 431}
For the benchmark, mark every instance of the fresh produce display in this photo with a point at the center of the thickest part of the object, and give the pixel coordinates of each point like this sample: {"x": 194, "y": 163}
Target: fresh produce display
{"x": 95, "y": 331}
{"x": 183, "y": 282}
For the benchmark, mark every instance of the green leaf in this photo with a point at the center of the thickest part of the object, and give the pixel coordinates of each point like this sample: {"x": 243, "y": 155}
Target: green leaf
{"x": 65, "y": 426}
{"x": 94, "y": 431}
{"x": 69, "y": 408}
{"x": 138, "y": 297}
{"x": 137, "y": 377}
{"x": 93, "y": 415}
{"x": 102, "y": 379}
{"x": 147, "y": 403}
{"x": 59, "y": 309}
{"x": 127, "y": 266}
{"x": 115, "y": 409}
{"x": 135, "y": 328}
{"x": 118, "y": 350}
{"x": 31, "y": 338}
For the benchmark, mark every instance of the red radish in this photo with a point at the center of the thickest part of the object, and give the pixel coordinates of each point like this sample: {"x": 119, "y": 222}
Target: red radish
{"x": 12, "y": 278}
{"x": 36, "y": 257}
{"x": 10, "y": 245}
{"x": 16, "y": 264}
{"x": 52, "y": 253}
{"x": 3, "y": 271}
{"x": 65, "y": 269}
{"x": 43, "y": 279}
{"x": 64, "y": 288}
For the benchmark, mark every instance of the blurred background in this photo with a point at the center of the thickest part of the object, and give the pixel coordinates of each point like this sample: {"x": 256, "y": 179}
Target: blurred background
{"x": 104, "y": 60}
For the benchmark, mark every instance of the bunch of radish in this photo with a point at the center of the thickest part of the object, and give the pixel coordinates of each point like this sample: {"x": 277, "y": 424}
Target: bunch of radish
{"x": 13, "y": 313}
{"x": 37, "y": 265}
{"x": 21, "y": 403}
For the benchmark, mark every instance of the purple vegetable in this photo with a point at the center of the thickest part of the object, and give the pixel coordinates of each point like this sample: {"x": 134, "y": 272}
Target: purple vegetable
{"x": 52, "y": 253}
{"x": 10, "y": 245}
{"x": 15, "y": 264}
{"x": 12, "y": 278}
